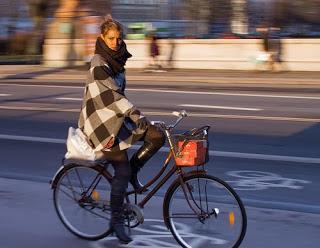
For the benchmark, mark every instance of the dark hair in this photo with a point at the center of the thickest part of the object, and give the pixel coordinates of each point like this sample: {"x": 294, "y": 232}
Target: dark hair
{"x": 110, "y": 23}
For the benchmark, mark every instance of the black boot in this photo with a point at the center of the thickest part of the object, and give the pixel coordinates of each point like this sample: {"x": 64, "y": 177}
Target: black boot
{"x": 153, "y": 140}
{"x": 135, "y": 168}
{"x": 137, "y": 161}
{"x": 117, "y": 219}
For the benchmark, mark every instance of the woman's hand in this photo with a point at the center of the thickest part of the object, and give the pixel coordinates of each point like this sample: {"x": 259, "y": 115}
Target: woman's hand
{"x": 143, "y": 123}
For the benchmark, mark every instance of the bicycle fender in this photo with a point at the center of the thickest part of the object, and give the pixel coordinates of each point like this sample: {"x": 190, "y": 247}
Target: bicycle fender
{"x": 55, "y": 178}
{"x": 173, "y": 185}
{"x": 195, "y": 172}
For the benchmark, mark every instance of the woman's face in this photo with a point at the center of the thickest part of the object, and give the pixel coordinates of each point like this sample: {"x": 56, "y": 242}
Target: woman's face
{"x": 112, "y": 39}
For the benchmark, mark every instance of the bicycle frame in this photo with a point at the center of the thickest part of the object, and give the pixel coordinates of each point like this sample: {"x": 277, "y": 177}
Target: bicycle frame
{"x": 192, "y": 185}
{"x": 175, "y": 169}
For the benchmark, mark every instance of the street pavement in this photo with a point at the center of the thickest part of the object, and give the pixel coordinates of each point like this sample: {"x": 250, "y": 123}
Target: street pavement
{"x": 262, "y": 79}
{"x": 28, "y": 215}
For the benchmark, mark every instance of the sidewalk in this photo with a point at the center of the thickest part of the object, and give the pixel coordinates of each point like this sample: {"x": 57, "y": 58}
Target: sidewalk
{"x": 28, "y": 219}
{"x": 218, "y": 77}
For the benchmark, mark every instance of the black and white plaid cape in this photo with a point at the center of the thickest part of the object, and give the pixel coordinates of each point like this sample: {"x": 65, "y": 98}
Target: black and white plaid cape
{"x": 106, "y": 113}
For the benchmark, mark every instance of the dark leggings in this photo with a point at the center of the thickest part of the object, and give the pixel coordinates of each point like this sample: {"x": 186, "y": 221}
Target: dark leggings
{"x": 120, "y": 162}
{"x": 122, "y": 172}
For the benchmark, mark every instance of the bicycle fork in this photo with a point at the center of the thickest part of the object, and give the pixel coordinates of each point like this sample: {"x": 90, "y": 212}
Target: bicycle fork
{"x": 202, "y": 215}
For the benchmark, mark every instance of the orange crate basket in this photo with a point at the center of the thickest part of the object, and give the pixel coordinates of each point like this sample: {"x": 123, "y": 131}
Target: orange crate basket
{"x": 191, "y": 150}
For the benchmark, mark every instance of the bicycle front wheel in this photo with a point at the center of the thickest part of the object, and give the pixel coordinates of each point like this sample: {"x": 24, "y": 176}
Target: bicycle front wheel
{"x": 82, "y": 201}
{"x": 205, "y": 212}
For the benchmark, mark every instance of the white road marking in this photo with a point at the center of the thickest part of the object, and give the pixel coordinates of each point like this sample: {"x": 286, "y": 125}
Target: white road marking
{"x": 250, "y": 117}
{"x": 5, "y": 94}
{"x": 218, "y": 107}
{"x": 182, "y": 105}
{"x": 32, "y": 138}
{"x": 154, "y": 234}
{"x": 255, "y": 117}
{"x": 261, "y": 180}
{"x": 69, "y": 99}
{"x": 174, "y": 91}
{"x": 196, "y": 115}
{"x": 166, "y": 149}
{"x": 24, "y": 108}
{"x": 43, "y": 86}
{"x": 266, "y": 157}
{"x": 225, "y": 94}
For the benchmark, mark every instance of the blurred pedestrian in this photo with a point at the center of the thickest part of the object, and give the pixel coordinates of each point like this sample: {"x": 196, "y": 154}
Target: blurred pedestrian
{"x": 154, "y": 52}
{"x": 112, "y": 124}
{"x": 275, "y": 47}
{"x": 264, "y": 57}
{"x": 172, "y": 46}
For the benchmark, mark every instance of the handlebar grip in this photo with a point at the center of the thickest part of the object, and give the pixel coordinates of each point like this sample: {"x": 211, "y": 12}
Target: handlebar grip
{"x": 201, "y": 129}
{"x": 182, "y": 113}
{"x": 157, "y": 123}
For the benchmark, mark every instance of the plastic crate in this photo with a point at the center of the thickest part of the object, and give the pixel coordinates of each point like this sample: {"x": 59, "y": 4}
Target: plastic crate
{"x": 192, "y": 152}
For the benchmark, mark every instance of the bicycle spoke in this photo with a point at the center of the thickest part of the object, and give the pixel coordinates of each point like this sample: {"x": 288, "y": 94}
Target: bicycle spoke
{"x": 96, "y": 214}
{"x": 69, "y": 195}
{"x": 95, "y": 184}
{"x": 215, "y": 222}
{"x": 187, "y": 215}
{"x": 80, "y": 180}
{"x": 70, "y": 185}
{"x": 87, "y": 215}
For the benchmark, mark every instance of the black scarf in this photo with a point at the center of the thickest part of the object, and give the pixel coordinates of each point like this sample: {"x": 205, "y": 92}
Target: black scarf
{"x": 115, "y": 59}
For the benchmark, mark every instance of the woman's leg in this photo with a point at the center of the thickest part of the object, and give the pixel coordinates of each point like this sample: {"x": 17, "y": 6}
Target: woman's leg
{"x": 154, "y": 139}
{"x": 119, "y": 184}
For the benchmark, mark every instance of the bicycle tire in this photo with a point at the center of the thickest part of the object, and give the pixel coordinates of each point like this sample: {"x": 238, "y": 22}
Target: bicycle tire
{"x": 191, "y": 232}
{"x": 90, "y": 206}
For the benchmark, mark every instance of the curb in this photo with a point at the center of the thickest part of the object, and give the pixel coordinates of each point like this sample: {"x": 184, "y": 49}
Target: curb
{"x": 179, "y": 76}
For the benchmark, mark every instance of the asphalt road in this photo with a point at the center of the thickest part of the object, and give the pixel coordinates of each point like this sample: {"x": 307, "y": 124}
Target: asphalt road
{"x": 264, "y": 143}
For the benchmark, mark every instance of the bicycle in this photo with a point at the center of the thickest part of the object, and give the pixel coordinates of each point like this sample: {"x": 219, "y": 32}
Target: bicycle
{"x": 199, "y": 209}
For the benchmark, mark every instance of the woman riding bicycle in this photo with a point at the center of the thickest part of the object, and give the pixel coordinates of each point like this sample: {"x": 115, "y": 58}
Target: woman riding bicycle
{"x": 112, "y": 124}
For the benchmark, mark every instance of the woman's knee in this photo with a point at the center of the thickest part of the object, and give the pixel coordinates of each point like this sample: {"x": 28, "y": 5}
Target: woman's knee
{"x": 157, "y": 136}
{"x": 161, "y": 138}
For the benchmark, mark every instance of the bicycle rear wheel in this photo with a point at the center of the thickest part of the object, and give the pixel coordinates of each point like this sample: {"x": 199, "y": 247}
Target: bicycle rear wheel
{"x": 220, "y": 220}
{"x": 82, "y": 201}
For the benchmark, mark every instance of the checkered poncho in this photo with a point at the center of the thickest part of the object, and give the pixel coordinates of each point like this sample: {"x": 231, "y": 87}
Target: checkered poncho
{"x": 106, "y": 113}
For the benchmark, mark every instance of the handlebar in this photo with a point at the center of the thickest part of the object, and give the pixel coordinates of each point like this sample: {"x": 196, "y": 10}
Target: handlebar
{"x": 180, "y": 116}
{"x": 200, "y": 130}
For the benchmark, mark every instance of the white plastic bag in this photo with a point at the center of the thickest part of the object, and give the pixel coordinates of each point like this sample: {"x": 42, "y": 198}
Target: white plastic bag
{"x": 78, "y": 146}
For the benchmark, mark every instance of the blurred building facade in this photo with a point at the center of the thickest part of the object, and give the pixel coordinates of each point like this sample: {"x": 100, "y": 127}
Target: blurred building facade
{"x": 142, "y": 10}
{"x": 21, "y": 23}
{"x": 298, "y": 17}
{"x": 8, "y": 8}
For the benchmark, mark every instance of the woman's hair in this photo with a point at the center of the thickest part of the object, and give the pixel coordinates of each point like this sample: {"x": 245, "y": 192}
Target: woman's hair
{"x": 110, "y": 23}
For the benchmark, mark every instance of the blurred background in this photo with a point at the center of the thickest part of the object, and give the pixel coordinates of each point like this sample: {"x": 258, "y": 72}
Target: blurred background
{"x": 219, "y": 59}
{"x": 63, "y": 32}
